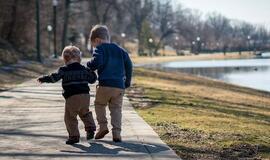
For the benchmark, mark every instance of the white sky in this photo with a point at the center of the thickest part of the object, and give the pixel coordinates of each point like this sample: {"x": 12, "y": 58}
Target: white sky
{"x": 254, "y": 11}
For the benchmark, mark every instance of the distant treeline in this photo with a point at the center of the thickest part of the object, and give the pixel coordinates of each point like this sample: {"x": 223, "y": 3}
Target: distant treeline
{"x": 151, "y": 24}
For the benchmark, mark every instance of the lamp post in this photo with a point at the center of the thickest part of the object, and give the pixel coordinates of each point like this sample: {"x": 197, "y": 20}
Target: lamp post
{"x": 38, "y": 32}
{"x": 49, "y": 29}
{"x": 248, "y": 38}
{"x": 176, "y": 45}
{"x": 202, "y": 46}
{"x": 55, "y": 3}
{"x": 123, "y": 35}
{"x": 198, "y": 44}
{"x": 217, "y": 46}
{"x": 150, "y": 40}
{"x": 193, "y": 46}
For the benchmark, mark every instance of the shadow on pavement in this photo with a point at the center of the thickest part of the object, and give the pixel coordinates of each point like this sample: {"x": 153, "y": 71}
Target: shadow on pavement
{"x": 6, "y": 97}
{"x": 112, "y": 148}
{"x": 27, "y": 134}
{"x": 97, "y": 147}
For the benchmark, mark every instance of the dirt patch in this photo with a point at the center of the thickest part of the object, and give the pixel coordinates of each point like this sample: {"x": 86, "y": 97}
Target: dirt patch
{"x": 240, "y": 151}
{"x": 138, "y": 99}
{"x": 204, "y": 150}
{"x": 172, "y": 130}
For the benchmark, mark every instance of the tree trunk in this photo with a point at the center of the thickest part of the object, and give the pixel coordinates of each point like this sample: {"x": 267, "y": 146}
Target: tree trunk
{"x": 157, "y": 47}
{"x": 66, "y": 18}
{"x": 140, "y": 42}
{"x": 105, "y": 14}
{"x": 13, "y": 21}
{"x": 94, "y": 10}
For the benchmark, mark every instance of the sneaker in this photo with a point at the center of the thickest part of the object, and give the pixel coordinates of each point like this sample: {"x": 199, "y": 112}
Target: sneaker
{"x": 90, "y": 135}
{"x": 101, "y": 134}
{"x": 72, "y": 141}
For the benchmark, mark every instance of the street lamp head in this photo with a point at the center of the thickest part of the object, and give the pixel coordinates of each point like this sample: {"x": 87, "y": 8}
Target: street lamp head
{"x": 123, "y": 35}
{"x": 248, "y": 37}
{"x": 198, "y": 38}
{"x": 150, "y": 40}
{"x": 193, "y": 42}
{"x": 49, "y": 28}
{"x": 55, "y": 3}
{"x": 176, "y": 38}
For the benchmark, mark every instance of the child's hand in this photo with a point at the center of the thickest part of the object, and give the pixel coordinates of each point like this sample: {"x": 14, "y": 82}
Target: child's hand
{"x": 38, "y": 80}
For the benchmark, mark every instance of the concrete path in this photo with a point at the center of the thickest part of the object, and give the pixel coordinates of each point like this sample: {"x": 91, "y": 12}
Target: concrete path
{"x": 32, "y": 127}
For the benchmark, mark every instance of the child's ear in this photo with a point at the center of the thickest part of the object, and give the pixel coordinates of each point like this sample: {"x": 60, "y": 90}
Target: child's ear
{"x": 93, "y": 42}
{"x": 98, "y": 40}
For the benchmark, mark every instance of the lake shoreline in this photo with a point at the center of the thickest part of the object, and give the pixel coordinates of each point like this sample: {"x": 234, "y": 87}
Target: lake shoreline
{"x": 242, "y": 72}
{"x": 144, "y": 61}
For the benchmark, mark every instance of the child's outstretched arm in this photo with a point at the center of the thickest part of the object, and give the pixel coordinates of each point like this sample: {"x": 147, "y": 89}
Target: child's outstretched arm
{"x": 52, "y": 78}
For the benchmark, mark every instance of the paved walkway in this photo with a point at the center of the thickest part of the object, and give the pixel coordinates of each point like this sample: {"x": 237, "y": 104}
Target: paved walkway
{"x": 32, "y": 127}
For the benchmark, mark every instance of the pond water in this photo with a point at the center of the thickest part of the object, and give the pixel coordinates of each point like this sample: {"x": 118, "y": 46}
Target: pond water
{"x": 252, "y": 73}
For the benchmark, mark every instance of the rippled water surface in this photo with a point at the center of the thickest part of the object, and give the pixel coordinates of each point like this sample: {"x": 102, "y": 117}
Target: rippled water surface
{"x": 253, "y": 73}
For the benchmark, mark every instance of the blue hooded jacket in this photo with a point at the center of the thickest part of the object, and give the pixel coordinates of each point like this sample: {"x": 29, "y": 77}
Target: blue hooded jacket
{"x": 113, "y": 65}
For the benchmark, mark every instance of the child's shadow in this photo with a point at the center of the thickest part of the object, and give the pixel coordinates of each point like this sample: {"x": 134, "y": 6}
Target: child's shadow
{"x": 112, "y": 148}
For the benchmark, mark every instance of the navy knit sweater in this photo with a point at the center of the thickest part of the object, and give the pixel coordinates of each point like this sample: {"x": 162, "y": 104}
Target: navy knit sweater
{"x": 113, "y": 65}
{"x": 75, "y": 78}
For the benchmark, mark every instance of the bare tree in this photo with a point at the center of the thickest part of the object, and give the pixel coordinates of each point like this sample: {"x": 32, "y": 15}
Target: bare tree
{"x": 219, "y": 24}
{"x": 189, "y": 25}
{"x": 100, "y": 9}
{"x": 139, "y": 10}
{"x": 261, "y": 38}
{"x": 163, "y": 20}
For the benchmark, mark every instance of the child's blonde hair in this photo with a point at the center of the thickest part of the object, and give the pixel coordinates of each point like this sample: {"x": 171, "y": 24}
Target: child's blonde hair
{"x": 71, "y": 53}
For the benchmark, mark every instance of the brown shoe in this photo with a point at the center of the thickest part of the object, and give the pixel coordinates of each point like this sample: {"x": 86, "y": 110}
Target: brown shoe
{"x": 101, "y": 134}
{"x": 72, "y": 140}
{"x": 117, "y": 140}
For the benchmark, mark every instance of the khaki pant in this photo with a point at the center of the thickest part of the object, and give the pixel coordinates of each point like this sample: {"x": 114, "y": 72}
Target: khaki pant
{"x": 78, "y": 105}
{"x": 113, "y": 97}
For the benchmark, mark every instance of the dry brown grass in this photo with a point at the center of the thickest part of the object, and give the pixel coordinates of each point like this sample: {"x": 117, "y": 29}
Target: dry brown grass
{"x": 160, "y": 59}
{"x": 11, "y": 75}
{"x": 202, "y": 118}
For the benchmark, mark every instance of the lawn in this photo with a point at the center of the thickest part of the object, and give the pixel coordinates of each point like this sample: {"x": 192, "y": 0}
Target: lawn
{"x": 202, "y": 118}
